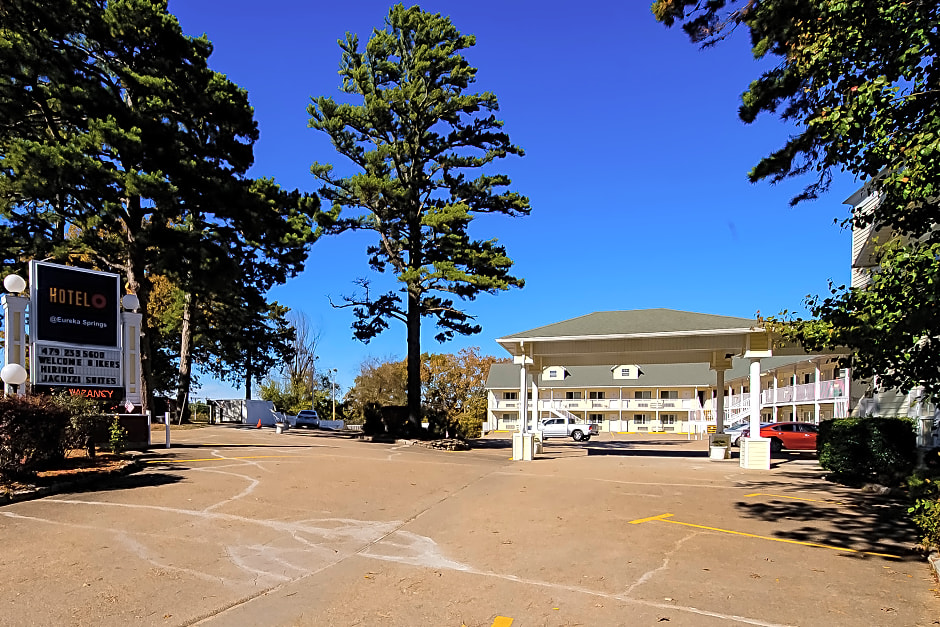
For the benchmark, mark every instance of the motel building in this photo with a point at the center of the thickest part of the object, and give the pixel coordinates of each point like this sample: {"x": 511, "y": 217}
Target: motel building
{"x": 667, "y": 397}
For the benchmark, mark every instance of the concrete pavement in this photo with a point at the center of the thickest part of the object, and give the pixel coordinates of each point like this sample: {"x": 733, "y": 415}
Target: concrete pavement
{"x": 243, "y": 526}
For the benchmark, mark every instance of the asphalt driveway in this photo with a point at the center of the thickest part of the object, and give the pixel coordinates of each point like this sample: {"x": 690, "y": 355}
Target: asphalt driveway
{"x": 244, "y": 526}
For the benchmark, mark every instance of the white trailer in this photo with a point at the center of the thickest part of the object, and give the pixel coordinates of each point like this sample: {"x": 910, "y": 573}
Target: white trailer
{"x": 244, "y": 412}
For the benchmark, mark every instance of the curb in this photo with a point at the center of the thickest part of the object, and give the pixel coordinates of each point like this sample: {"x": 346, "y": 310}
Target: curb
{"x": 934, "y": 560}
{"x": 27, "y": 494}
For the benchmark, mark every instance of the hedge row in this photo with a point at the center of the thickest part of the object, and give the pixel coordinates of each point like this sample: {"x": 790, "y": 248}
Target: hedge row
{"x": 31, "y": 433}
{"x": 36, "y": 431}
{"x": 856, "y": 450}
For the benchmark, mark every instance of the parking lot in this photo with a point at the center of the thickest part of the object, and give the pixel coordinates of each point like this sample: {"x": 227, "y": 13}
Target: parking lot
{"x": 244, "y": 526}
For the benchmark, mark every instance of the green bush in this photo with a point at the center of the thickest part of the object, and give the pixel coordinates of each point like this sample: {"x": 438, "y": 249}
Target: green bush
{"x": 926, "y": 515}
{"x": 117, "y": 436}
{"x": 856, "y": 450}
{"x": 32, "y": 433}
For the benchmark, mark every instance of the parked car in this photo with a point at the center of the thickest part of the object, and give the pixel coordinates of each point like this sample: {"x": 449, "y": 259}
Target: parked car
{"x": 797, "y": 436}
{"x": 307, "y": 418}
{"x": 565, "y": 427}
{"x": 738, "y": 429}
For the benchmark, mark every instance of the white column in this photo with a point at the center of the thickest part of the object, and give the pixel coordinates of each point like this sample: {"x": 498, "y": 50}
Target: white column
{"x": 535, "y": 404}
{"x": 522, "y": 395}
{"x": 816, "y": 391}
{"x": 775, "y": 395}
{"x": 793, "y": 385}
{"x": 848, "y": 390}
{"x": 755, "y": 396}
{"x": 14, "y": 340}
{"x": 720, "y": 400}
{"x": 130, "y": 324}
{"x": 755, "y": 450}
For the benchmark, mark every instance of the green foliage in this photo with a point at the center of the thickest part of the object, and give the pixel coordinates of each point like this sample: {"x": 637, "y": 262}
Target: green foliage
{"x": 419, "y": 141}
{"x": 289, "y": 396}
{"x": 926, "y": 515}
{"x": 453, "y": 390}
{"x": 856, "y": 450}
{"x": 892, "y": 322}
{"x": 117, "y": 436}
{"x": 858, "y": 78}
{"x": 122, "y": 149}
{"x": 199, "y": 412}
{"x": 86, "y": 421}
{"x": 32, "y": 431}
{"x": 382, "y": 383}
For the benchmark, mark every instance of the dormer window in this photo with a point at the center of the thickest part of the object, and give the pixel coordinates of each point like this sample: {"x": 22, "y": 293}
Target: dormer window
{"x": 626, "y": 371}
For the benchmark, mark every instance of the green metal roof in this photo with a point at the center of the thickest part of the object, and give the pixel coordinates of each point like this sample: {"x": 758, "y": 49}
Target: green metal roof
{"x": 652, "y": 321}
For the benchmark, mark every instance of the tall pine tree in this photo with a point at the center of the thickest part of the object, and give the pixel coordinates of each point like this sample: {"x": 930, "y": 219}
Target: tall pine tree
{"x": 420, "y": 140}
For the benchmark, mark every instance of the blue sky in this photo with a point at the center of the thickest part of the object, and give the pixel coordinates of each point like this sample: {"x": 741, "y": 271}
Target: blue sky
{"x": 635, "y": 165}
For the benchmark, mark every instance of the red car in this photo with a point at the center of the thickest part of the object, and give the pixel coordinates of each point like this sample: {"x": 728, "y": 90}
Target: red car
{"x": 799, "y": 436}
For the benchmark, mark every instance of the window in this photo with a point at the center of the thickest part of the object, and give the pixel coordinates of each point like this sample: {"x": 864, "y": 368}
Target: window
{"x": 596, "y": 418}
{"x": 642, "y": 394}
{"x": 745, "y": 390}
{"x": 625, "y": 373}
{"x": 596, "y": 395}
{"x": 667, "y": 419}
{"x": 671, "y": 394}
{"x": 639, "y": 419}
{"x": 510, "y": 396}
{"x": 809, "y": 378}
{"x": 552, "y": 374}
{"x": 573, "y": 395}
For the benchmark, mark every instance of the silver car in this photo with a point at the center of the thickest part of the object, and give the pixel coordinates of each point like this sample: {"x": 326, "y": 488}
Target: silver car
{"x": 307, "y": 418}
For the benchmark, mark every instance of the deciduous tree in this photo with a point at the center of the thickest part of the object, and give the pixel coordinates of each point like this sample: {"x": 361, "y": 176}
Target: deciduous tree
{"x": 860, "y": 81}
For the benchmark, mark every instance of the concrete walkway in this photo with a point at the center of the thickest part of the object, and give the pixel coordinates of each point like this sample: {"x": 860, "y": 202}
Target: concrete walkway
{"x": 244, "y": 526}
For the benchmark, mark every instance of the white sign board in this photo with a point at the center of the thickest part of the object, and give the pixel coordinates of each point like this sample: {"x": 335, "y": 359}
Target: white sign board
{"x": 76, "y": 365}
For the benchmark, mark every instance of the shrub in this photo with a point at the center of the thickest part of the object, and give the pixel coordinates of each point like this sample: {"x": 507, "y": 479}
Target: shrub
{"x": 926, "y": 515}
{"x": 32, "y": 433}
{"x": 856, "y": 450}
{"x": 117, "y": 436}
{"x": 87, "y": 424}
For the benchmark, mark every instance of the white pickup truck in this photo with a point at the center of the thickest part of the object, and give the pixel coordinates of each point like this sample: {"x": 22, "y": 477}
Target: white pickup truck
{"x": 566, "y": 427}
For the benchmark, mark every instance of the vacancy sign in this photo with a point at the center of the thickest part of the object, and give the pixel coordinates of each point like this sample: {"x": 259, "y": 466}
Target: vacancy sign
{"x": 75, "y": 323}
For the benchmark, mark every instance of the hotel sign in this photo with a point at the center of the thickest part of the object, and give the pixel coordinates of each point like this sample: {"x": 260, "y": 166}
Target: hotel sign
{"x": 74, "y": 305}
{"x": 75, "y": 327}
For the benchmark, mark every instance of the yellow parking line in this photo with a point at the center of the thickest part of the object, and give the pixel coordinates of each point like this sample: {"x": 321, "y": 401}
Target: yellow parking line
{"x": 795, "y": 498}
{"x": 502, "y": 621}
{"x": 212, "y": 459}
{"x": 664, "y": 518}
{"x": 643, "y": 520}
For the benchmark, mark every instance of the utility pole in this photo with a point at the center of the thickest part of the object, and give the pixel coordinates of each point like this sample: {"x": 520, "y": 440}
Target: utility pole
{"x": 333, "y": 390}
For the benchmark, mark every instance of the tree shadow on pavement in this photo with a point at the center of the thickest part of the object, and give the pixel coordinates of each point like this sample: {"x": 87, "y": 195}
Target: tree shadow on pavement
{"x": 647, "y": 448}
{"x": 122, "y": 482}
{"x": 846, "y": 518}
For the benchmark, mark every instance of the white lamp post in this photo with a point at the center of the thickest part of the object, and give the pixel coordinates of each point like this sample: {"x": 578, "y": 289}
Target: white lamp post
{"x": 14, "y": 283}
{"x": 13, "y": 375}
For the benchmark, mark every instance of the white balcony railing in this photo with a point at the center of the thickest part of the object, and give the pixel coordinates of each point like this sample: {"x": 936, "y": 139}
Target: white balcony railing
{"x": 803, "y": 393}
